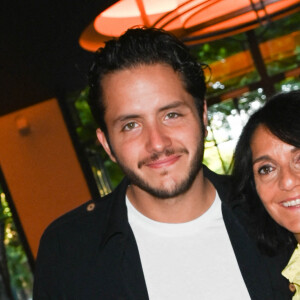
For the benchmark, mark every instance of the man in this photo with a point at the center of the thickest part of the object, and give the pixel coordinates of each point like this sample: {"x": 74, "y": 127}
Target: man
{"x": 164, "y": 232}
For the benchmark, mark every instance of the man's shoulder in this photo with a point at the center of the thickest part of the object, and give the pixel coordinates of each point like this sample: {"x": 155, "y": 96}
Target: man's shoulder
{"x": 78, "y": 233}
{"x": 82, "y": 217}
{"x": 213, "y": 175}
{"x": 88, "y": 214}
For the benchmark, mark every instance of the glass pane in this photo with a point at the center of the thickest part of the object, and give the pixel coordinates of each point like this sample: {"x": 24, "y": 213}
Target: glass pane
{"x": 14, "y": 259}
{"x": 280, "y": 44}
{"x": 288, "y": 84}
{"x": 226, "y": 120}
{"x": 107, "y": 174}
{"x": 230, "y": 62}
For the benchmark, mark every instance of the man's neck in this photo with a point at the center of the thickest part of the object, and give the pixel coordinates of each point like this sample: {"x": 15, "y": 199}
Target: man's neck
{"x": 183, "y": 208}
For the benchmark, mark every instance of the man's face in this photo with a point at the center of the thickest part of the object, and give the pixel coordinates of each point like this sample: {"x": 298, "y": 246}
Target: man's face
{"x": 154, "y": 129}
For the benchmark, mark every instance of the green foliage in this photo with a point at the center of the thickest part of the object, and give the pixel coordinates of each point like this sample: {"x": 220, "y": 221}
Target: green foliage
{"x": 226, "y": 120}
{"x": 86, "y": 130}
{"x": 219, "y": 49}
{"x": 278, "y": 28}
{"x": 288, "y": 84}
{"x": 20, "y": 274}
{"x": 114, "y": 172}
{"x": 87, "y": 126}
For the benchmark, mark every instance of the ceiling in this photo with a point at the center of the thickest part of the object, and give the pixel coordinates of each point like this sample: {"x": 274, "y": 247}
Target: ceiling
{"x": 40, "y": 57}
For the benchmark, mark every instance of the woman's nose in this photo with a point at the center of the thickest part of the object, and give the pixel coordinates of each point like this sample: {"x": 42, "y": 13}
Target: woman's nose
{"x": 289, "y": 178}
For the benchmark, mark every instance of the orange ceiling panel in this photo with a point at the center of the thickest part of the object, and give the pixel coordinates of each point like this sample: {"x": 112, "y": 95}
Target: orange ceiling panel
{"x": 193, "y": 20}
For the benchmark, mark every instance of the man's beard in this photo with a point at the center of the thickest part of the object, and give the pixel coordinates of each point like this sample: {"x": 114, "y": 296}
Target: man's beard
{"x": 179, "y": 188}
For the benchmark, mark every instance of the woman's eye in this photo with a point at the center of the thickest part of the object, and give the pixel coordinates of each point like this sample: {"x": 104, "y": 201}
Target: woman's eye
{"x": 297, "y": 156}
{"x": 297, "y": 161}
{"x": 264, "y": 170}
{"x": 129, "y": 126}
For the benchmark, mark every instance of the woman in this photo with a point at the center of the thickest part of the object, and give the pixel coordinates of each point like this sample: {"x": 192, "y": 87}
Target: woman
{"x": 266, "y": 176}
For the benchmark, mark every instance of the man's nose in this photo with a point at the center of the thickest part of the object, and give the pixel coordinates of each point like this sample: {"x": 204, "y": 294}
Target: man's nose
{"x": 157, "y": 139}
{"x": 289, "y": 178}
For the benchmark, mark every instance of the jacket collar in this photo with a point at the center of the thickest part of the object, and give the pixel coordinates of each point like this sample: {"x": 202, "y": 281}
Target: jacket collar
{"x": 117, "y": 222}
{"x": 251, "y": 264}
{"x": 220, "y": 182}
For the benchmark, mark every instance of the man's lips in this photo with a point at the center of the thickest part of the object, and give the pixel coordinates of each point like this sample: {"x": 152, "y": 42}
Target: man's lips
{"x": 164, "y": 162}
{"x": 160, "y": 160}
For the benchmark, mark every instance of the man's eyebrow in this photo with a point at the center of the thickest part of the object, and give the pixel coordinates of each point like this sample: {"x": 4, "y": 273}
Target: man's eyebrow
{"x": 172, "y": 105}
{"x": 123, "y": 118}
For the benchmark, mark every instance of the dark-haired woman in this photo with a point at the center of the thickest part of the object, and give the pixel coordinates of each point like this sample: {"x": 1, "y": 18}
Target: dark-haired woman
{"x": 266, "y": 178}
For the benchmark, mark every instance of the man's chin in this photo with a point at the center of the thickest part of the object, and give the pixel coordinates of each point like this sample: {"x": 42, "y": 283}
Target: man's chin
{"x": 165, "y": 186}
{"x": 166, "y": 191}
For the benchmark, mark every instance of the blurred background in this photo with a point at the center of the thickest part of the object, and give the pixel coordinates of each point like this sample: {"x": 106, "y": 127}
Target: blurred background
{"x": 50, "y": 160}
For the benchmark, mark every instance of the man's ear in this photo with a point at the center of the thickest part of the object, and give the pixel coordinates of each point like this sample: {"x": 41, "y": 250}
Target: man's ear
{"x": 103, "y": 141}
{"x": 205, "y": 118}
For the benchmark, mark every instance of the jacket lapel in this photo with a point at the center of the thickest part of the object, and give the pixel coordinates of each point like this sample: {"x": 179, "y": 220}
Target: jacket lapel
{"x": 250, "y": 262}
{"x": 132, "y": 272}
{"x": 120, "y": 240}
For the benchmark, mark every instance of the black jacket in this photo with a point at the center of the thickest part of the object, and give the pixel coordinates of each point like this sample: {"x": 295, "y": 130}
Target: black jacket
{"x": 91, "y": 253}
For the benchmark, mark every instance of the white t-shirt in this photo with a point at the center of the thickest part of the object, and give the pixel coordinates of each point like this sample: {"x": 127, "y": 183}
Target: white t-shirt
{"x": 186, "y": 261}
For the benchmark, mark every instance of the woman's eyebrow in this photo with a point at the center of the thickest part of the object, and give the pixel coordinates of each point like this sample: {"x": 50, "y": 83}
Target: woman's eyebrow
{"x": 260, "y": 158}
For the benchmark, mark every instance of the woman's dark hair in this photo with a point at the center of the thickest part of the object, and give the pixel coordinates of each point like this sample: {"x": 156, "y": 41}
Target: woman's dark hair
{"x": 142, "y": 46}
{"x": 280, "y": 115}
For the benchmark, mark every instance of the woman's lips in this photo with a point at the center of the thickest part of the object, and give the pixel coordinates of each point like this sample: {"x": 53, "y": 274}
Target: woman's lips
{"x": 165, "y": 162}
{"x": 291, "y": 203}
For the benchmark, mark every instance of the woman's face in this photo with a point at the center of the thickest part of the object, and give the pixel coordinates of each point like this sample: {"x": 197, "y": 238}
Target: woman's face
{"x": 276, "y": 168}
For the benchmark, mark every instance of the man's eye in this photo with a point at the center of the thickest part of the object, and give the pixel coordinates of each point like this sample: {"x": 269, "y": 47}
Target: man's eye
{"x": 129, "y": 126}
{"x": 264, "y": 170}
{"x": 172, "y": 115}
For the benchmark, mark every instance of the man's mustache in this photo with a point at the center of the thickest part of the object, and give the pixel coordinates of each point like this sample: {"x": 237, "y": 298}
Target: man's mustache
{"x": 157, "y": 155}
